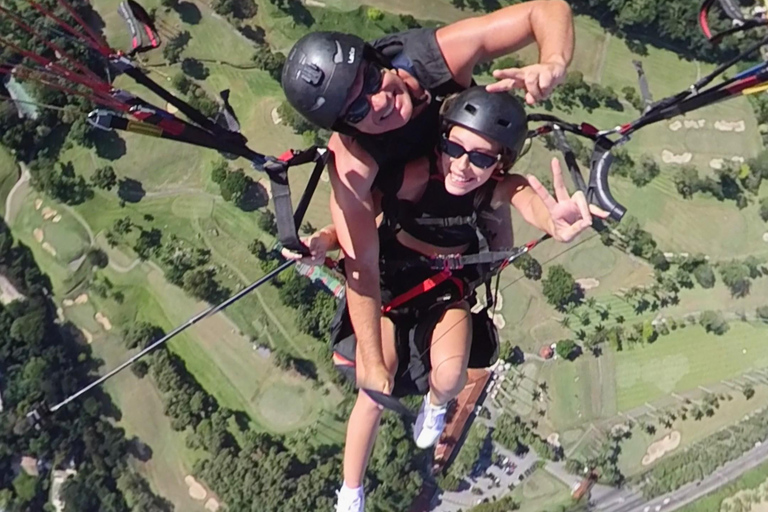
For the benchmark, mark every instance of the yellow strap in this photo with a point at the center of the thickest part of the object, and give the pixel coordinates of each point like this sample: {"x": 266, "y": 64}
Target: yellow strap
{"x": 755, "y": 90}
{"x": 144, "y": 128}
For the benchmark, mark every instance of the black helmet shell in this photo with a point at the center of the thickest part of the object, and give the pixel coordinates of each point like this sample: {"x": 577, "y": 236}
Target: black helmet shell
{"x": 496, "y": 115}
{"x": 319, "y": 72}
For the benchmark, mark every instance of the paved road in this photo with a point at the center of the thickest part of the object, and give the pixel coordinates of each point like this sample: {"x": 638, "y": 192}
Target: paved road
{"x": 629, "y": 501}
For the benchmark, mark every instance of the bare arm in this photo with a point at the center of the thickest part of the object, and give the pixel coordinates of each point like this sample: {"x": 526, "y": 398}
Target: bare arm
{"x": 548, "y": 23}
{"x": 354, "y": 217}
{"x": 523, "y": 198}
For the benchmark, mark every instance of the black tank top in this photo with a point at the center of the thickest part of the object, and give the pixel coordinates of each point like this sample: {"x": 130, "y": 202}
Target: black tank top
{"x": 439, "y": 217}
{"x": 417, "y": 52}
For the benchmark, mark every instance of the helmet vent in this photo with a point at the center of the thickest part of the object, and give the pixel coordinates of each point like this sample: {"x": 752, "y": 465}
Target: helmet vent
{"x": 470, "y": 108}
{"x": 503, "y": 123}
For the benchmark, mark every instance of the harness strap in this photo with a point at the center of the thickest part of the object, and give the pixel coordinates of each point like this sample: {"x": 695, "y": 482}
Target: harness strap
{"x": 423, "y": 287}
{"x": 446, "y": 221}
{"x": 286, "y": 218}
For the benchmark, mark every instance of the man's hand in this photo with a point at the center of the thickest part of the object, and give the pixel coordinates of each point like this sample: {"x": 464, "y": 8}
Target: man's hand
{"x": 537, "y": 80}
{"x": 319, "y": 244}
{"x": 570, "y": 214}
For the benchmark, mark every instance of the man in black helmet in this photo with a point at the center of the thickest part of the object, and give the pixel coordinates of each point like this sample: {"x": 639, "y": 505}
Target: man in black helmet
{"x": 383, "y": 102}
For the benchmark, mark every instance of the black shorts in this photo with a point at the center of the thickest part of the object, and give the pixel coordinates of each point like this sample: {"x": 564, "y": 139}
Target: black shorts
{"x": 414, "y": 323}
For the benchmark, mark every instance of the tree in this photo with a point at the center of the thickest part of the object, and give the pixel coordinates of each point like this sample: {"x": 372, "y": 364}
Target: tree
{"x": 748, "y": 390}
{"x": 200, "y": 283}
{"x": 141, "y": 334}
{"x": 529, "y": 265}
{"x": 122, "y": 226}
{"x": 566, "y": 349}
{"x": 735, "y": 275}
{"x": 181, "y": 83}
{"x": 658, "y": 260}
{"x": 714, "y": 322}
{"x": 194, "y": 68}
{"x": 104, "y": 178}
{"x": 258, "y": 249}
{"x": 764, "y": 209}
{"x": 687, "y": 181}
{"x": 558, "y": 286}
{"x": 374, "y": 14}
{"x": 234, "y": 186}
{"x": 267, "y": 222}
{"x": 240, "y": 9}
{"x": 704, "y": 275}
{"x": 282, "y": 359}
{"x": 148, "y": 243}
{"x": 140, "y": 369}
{"x": 219, "y": 172}
{"x": 175, "y": 45}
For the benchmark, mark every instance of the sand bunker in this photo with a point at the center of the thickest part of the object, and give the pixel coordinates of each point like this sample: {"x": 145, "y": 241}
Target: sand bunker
{"x": 588, "y": 283}
{"x": 196, "y": 491}
{"x": 38, "y": 203}
{"x": 498, "y": 321}
{"x": 81, "y": 299}
{"x": 276, "y": 117}
{"x": 8, "y": 292}
{"x": 499, "y": 303}
{"x": 314, "y": 3}
{"x": 718, "y": 163}
{"x": 48, "y": 213}
{"x": 694, "y": 125}
{"x": 324, "y": 177}
{"x": 57, "y": 219}
{"x": 730, "y": 126}
{"x": 675, "y": 125}
{"x": 554, "y": 439}
{"x": 212, "y": 504}
{"x": 48, "y": 247}
{"x": 67, "y": 302}
{"x": 765, "y": 237}
{"x": 659, "y": 448}
{"x": 38, "y": 234}
{"x": 670, "y": 158}
{"x": 104, "y": 321}
{"x": 88, "y": 336}
{"x": 171, "y": 109}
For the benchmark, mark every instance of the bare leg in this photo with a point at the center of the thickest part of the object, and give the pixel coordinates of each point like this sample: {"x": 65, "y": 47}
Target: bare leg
{"x": 363, "y": 422}
{"x": 451, "y": 341}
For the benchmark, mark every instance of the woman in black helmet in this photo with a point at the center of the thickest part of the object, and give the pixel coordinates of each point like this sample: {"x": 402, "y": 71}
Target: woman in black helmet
{"x": 430, "y": 338}
{"x": 384, "y": 99}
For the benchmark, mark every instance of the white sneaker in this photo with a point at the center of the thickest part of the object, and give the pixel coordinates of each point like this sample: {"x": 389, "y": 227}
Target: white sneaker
{"x": 429, "y": 424}
{"x": 350, "y": 500}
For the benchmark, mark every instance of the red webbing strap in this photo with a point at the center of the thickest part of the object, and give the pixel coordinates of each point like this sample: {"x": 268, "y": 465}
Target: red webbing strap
{"x": 423, "y": 287}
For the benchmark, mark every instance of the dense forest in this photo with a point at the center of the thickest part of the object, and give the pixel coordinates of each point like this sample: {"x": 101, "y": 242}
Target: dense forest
{"x": 42, "y": 361}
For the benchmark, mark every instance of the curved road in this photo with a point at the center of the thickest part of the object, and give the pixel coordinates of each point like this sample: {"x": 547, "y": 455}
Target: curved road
{"x": 632, "y": 501}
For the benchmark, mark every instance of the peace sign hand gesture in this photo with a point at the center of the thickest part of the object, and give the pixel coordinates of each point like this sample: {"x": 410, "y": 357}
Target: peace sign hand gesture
{"x": 570, "y": 215}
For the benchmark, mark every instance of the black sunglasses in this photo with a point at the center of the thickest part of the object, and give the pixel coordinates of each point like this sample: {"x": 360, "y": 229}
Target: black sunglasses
{"x": 476, "y": 158}
{"x": 360, "y": 107}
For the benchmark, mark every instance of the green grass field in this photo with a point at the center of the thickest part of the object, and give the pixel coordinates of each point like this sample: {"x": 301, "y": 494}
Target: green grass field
{"x": 541, "y": 491}
{"x": 686, "y": 359}
{"x": 9, "y": 173}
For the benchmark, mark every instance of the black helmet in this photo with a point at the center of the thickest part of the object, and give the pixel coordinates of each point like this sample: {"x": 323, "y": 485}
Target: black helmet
{"x": 319, "y": 72}
{"x": 496, "y": 115}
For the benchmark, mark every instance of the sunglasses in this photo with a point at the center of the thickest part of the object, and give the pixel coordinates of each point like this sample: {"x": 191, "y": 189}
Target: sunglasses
{"x": 476, "y": 158}
{"x": 360, "y": 107}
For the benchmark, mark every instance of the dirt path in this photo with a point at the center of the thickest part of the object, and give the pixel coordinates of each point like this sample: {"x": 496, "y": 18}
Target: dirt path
{"x": 10, "y": 214}
{"x": 603, "y": 57}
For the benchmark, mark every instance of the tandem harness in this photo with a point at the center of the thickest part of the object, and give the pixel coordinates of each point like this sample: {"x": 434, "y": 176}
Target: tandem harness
{"x": 416, "y": 311}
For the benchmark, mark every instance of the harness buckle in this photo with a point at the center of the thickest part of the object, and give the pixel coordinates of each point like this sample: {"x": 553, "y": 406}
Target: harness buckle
{"x": 448, "y": 263}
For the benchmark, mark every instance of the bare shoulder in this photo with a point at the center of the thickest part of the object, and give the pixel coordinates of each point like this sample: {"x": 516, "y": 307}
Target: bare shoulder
{"x": 350, "y": 163}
